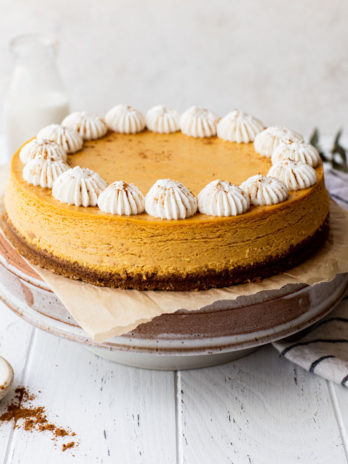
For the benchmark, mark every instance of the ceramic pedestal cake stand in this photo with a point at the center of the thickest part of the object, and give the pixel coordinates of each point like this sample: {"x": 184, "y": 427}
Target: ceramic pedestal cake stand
{"x": 183, "y": 340}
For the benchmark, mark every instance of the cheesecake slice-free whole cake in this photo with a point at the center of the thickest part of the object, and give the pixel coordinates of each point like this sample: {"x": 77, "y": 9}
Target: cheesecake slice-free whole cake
{"x": 166, "y": 201}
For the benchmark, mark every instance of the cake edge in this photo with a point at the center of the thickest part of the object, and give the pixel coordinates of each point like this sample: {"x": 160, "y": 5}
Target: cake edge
{"x": 194, "y": 281}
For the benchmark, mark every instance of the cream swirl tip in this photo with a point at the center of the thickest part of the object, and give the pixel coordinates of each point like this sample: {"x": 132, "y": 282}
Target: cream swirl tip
{"x": 266, "y": 141}
{"x": 220, "y": 198}
{"x": 265, "y": 191}
{"x": 43, "y": 172}
{"x": 163, "y": 120}
{"x": 239, "y": 127}
{"x": 122, "y": 199}
{"x": 296, "y": 151}
{"x": 198, "y": 122}
{"x": 168, "y": 199}
{"x": 44, "y": 148}
{"x": 125, "y": 119}
{"x": 89, "y": 126}
{"x": 78, "y": 186}
{"x": 295, "y": 175}
{"x": 67, "y": 137}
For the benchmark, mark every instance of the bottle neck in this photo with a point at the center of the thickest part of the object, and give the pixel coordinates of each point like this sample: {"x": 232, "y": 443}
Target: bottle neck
{"x": 35, "y": 70}
{"x": 35, "y": 74}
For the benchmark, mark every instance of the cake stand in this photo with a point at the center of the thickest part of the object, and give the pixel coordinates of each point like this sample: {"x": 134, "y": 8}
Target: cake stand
{"x": 183, "y": 340}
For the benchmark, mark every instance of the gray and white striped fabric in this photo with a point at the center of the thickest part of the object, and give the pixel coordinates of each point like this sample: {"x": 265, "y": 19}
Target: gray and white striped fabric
{"x": 324, "y": 349}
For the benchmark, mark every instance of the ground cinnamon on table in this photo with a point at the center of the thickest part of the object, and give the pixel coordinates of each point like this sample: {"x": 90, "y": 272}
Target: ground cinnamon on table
{"x": 68, "y": 445}
{"x": 32, "y": 418}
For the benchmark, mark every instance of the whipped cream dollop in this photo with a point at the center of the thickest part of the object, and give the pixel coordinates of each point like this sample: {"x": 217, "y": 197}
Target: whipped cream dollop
{"x": 125, "y": 119}
{"x": 265, "y": 191}
{"x": 163, "y": 120}
{"x": 89, "y": 126}
{"x": 168, "y": 199}
{"x": 67, "y": 137}
{"x": 199, "y": 122}
{"x": 267, "y": 140}
{"x": 294, "y": 174}
{"x": 239, "y": 127}
{"x": 122, "y": 199}
{"x": 78, "y": 186}
{"x": 296, "y": 151}
{"x": 43, "y": 172}
{"x": 220, "y": 198}
{"x": 44, "y": 148}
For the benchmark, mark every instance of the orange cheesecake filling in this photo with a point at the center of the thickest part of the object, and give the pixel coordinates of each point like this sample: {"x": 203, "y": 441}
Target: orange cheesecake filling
{"x": 146, "y": 245}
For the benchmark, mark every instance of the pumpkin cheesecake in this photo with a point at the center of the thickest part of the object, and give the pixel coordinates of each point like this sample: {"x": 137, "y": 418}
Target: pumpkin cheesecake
{"x": 166, "y": 202}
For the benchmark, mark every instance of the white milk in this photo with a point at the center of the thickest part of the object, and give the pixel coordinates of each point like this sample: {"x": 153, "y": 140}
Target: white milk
{"x": 36, "y": 95}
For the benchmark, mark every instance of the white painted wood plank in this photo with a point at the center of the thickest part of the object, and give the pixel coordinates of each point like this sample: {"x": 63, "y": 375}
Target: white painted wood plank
{"x": 339, "y": 395}
{"x": 15, "y": 341}
{"x": 260, "y": 409}
{"x": 119, "y": 414}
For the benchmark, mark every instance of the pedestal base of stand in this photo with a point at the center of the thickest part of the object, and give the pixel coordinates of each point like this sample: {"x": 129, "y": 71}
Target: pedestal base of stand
{"x": 168, "y": 362}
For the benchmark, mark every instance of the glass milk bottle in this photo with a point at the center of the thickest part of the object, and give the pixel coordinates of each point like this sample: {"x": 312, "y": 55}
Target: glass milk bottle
{"x": 36, "y": 95}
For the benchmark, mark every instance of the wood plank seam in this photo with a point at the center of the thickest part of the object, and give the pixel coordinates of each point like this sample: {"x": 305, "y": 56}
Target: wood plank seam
{"x": 22, "y": 380}
{"x": 178, "y": 417}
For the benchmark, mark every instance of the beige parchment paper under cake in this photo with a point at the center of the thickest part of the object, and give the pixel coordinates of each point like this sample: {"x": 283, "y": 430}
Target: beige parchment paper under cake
{"x": 105, "y": 312}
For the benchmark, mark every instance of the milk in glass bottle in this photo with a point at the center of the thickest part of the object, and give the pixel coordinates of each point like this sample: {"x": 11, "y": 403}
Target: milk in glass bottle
{"x": 36, "y": 95}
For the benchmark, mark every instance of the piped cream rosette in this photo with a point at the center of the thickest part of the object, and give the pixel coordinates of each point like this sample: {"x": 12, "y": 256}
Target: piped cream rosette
{"x": 298, "y": 152}
{"x": 295, "y": 175}
{"x": 45, "y": 148}
{"x": 78, "y": 186}
{"x": 89, "y": 126}
{"x": 199, "y": 122}
{"x": 239, "y": 127}
{"x": 122, "y": 199}
{"x": 67, "y": 137}
{"x": 125, "y": 119}
{"x": 220, "y": 198}
{"x": 269, "y": 139}
{"x": 168, "y": 199}
{"x": 265, "y": 191}
{"x": 43, "y": 172}
{"x": 162, "y": 120}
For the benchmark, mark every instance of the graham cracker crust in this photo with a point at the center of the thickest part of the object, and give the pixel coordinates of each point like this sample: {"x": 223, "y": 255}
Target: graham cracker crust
{"x": 193, "y": 281}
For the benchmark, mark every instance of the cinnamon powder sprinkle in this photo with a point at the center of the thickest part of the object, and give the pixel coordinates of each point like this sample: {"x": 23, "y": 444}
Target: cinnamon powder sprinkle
{"x": 33, "y": 419}
{"x": 68, "y": 445}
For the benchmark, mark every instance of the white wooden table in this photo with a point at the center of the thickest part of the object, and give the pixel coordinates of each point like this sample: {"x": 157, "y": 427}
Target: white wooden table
{"x": 260, "y": 409}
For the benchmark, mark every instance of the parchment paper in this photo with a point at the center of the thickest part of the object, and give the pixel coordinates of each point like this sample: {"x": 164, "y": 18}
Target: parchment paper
{"x": 104, "y": 312}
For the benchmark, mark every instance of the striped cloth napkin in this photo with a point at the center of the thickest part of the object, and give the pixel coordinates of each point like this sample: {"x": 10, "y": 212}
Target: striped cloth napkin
{"x": 324, "y": 349}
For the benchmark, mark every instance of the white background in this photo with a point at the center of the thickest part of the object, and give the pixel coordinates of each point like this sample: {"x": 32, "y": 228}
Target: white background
{"x": 285, "y": 61}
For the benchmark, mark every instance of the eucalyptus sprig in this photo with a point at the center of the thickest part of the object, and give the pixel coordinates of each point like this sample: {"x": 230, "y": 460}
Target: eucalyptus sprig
{"x": 338, "y": 158}
{"x": 314, "y": 140}
{"x": 339, "y": 150}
